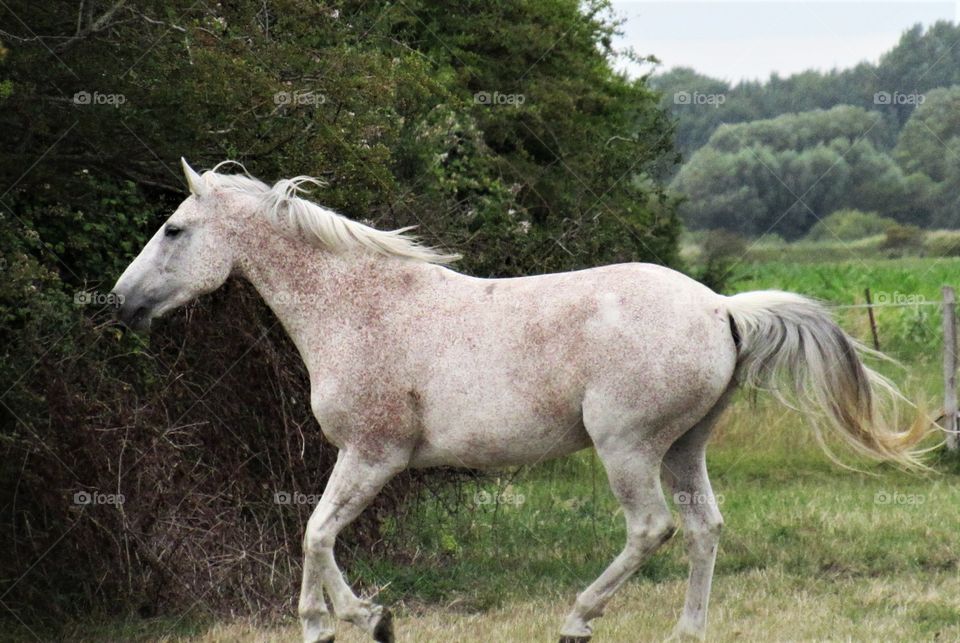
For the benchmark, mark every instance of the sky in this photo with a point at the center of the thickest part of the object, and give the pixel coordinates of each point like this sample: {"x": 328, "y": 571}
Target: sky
{"x": 750, "y": 40}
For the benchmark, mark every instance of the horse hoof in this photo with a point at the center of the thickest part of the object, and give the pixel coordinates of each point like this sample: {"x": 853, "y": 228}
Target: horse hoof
{"x": 314, "y": 633}
{"x": 574, "y": 639}
{"x": 383, "y": 630}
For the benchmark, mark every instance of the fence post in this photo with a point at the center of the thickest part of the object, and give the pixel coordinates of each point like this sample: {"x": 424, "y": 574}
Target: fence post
{"x": 950, "y": 367}
{"x": 873, "y": 320}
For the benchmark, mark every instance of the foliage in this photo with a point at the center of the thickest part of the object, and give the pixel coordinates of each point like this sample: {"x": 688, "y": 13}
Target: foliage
{"x": 849, "y": 225}
{"x": 387, "y": 105}
{"x": 943, "y": 243}
{"x": 933, "y": 130}
{"x": 900, "y": 238}
{"x": 921, "y": 61}
{"x": 778, "y": 175}
{"x": 722, "y": 250}
{"x": 928, "y": 147}
{"x": 768, "y": 156}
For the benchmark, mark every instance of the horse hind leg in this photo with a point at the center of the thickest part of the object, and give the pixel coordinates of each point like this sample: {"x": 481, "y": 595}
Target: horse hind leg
{"x": 685, "y": 472}
{"x": 634, "y": 476}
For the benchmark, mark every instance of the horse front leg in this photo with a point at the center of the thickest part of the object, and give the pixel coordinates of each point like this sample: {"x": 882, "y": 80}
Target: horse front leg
{"x": 315, "y": 619}
{"x": 354, "y": 483}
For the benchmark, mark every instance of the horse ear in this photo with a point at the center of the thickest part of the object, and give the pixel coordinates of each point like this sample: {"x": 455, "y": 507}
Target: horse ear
{"x": 194, "y": 181}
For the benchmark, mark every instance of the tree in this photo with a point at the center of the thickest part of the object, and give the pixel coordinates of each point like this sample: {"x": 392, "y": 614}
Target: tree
{"x": 696, "y": 121}
{"x": 782, "y": 175}
{"x": 932, "y": 135}
{"x": 928, "y": 149}
{"x": 376, "y": 101}
{"x": 921, "y": 61}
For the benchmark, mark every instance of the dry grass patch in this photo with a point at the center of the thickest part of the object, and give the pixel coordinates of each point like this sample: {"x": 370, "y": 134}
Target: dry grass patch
{"x": 753, "y": 606}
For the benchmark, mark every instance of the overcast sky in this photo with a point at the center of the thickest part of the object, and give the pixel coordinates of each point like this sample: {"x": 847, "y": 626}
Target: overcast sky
{"x": 750, "y": 40}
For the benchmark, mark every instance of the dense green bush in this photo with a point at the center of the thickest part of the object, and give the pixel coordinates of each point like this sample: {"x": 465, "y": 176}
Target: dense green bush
{"x": 928, "y": 147}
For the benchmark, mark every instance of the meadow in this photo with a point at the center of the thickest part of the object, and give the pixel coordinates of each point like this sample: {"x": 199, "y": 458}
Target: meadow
{"x": 811, "y": 551}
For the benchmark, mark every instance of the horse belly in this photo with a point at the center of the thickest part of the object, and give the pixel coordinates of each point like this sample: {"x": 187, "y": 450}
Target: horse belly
{"x": 478, "y": 435}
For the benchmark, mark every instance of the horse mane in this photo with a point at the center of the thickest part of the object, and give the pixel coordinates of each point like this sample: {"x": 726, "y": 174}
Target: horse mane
{"x": 319, "y": 225}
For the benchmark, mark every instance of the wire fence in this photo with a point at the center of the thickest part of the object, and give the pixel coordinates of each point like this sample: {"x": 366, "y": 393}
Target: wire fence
{"x": 948, "y": 418}
{"x": 888, "y": 304}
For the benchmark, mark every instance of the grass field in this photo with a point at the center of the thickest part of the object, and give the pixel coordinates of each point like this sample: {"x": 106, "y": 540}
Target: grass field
{"x": 810, "y": 551}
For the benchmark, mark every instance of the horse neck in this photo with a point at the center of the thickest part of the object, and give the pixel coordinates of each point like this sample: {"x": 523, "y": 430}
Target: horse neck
{"x": 314, "y": 291}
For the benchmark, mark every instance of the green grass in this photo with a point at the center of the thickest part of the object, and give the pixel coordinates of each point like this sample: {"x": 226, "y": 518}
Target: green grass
{"x": 808, "y": 546}
{"x": 797, "y": 514}
{"x": 794, "y": 523}
{"x": 808, "y": 252}
{"x": 911, "y": 332}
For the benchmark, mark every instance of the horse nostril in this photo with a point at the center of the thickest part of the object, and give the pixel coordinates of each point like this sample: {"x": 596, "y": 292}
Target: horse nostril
{"x": 115, "y": 302}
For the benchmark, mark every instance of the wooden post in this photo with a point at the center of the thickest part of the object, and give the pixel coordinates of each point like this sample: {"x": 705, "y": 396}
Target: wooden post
{"x": 873, "y": 321}
{"x": 950, "y": 367}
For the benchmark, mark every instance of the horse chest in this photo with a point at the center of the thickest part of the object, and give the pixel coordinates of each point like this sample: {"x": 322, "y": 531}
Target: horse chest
{"x": 370, "y": 417}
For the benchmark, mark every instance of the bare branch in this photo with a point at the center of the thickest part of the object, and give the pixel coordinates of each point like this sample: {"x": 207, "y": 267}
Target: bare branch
{"x": 99, "y": 24}
{"x": 154, "y": 21}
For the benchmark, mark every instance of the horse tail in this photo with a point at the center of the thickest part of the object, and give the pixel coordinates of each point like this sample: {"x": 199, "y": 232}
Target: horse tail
{"x": 790, "y": 345}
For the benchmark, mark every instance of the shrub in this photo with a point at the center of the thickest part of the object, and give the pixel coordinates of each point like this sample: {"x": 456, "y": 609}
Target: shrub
{"x": 903, "y": 239}
{"x": 943, "y": 243}
{"x": 141, "y": 474}
{"x": 849, "y": 225}
{"x": 771, "y": 239}
{"x": 722, "y": 250}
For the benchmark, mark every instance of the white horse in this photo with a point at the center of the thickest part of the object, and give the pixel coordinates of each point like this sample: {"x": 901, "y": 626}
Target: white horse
{"x": 414, "y": 365}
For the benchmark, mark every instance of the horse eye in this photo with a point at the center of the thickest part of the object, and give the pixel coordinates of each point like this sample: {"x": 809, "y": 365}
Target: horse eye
{"x": 172, "y": 230}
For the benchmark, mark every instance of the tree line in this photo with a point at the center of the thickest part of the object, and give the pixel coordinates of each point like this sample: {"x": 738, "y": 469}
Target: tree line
{"x": 777, "y": 156}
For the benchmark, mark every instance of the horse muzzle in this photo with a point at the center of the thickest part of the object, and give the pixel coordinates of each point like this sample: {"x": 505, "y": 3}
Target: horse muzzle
{"x": 132, "y": 311}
